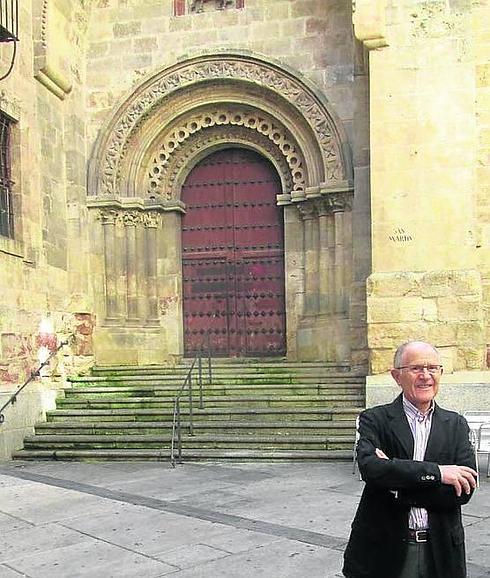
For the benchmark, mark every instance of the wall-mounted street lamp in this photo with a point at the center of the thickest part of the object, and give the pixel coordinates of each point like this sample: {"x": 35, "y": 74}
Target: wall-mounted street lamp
{"x": 9, "y": 27}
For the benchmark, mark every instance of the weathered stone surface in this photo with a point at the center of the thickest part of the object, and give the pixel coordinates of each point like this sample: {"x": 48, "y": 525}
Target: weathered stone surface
{"x": 394, "y": 309}
{"x": 393, "y": 284}
{"x": 418, "y": 134}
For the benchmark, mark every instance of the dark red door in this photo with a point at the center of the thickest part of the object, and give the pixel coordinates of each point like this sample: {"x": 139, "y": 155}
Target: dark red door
{"x": 233, "y": 257}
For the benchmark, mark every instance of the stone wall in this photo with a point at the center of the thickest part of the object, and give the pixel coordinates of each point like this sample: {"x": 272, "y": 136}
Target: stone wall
{"x": 427, "y": 178}
{"x": 131, "y": 43}
{"x": 441, "y": 307}
{"x": 43, "y": 267}
{"x": 481, "y": 34}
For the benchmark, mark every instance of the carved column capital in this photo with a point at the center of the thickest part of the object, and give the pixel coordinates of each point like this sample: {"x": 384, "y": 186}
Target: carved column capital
{"x": 131, "y": 218}
{"x": 108, "y": 216}
{"x": 151, "y": 220}
{"x": 307, "y": 210}
{"x": 335, "y": 202}
{"x": 327, "y": 203}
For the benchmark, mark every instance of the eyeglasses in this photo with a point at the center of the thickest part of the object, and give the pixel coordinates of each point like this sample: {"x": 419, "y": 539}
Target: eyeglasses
{"x": 416, "y": 369}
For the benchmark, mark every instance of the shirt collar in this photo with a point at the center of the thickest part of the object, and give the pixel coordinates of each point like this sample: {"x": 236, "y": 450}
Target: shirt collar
{"x": 414, "y": 413}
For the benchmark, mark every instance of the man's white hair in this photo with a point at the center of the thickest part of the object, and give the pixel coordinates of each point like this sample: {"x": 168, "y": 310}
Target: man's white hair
{"x": 397, "y": 360}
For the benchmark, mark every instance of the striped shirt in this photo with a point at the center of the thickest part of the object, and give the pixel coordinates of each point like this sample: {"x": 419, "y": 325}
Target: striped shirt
{"x": 420, "y": 424}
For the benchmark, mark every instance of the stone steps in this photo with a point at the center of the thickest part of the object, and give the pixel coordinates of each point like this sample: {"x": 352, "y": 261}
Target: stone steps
{"x": 252, "y": 410}
{"x": 327, "y": 427}
{"x": 278, "y": 389}
{"x": 201, "y": 441}
{"x": 219, "y": 380}
{"x": 238, "y": 455}
{"x": 250, "y": 401}
{"x": 227, "y": 413}
{"x": 277, "y": 365}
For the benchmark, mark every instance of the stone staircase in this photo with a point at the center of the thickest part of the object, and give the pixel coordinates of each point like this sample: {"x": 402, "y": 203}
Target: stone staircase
{"x": 253, "y": 409}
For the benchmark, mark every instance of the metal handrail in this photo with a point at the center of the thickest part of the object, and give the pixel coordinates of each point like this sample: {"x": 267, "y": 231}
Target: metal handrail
{"x": 32, "y": 376}
{"x": 176, "y": 442}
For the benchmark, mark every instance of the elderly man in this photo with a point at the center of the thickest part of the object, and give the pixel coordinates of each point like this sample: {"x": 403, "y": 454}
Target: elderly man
{"x": 419, "y": 468}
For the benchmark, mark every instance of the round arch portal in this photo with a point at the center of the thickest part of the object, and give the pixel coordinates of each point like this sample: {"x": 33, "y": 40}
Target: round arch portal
{"x": 143, "y": 157}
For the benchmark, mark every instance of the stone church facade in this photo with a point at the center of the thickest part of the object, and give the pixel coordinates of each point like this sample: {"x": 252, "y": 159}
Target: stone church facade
{"x": 306, "y": 179}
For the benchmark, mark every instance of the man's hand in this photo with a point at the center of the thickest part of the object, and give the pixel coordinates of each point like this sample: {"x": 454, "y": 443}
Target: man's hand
{"x": 381, "y": 454}
{"x": 462, "y": 478}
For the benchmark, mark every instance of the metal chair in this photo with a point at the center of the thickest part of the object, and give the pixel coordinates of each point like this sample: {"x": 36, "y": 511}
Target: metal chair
{"x": 479, "y": 424}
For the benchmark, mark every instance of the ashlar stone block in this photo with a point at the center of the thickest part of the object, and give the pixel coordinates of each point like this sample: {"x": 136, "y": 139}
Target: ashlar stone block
{"x": 390, "y": 335}
{"x": 458, "y": 308}
{"x": 441, "y": 333}
{"x": 395, "y": 309}
{"x": 393, "y": 284}
{"x": 381, "y": 360}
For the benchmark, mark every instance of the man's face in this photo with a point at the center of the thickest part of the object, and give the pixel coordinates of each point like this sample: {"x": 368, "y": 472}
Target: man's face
{"x": 419, "y": 387}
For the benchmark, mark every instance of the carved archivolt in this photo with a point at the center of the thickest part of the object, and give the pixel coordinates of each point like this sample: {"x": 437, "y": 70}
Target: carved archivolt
{"x": 251, "y": 128}
{"x": 295, "y": 100}
{"x": 219, "y": 137}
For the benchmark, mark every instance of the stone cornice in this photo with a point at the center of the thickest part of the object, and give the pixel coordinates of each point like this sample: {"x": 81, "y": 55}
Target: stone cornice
{"x": 324, "y": 190}
{"x": 131, "y": 203}
{"x": 370, "y": 22}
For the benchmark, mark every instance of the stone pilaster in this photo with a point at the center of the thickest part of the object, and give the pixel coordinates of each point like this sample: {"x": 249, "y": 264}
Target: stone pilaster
{"x": 151, "y": 224}
{"x": 130, "y": 220}
{"x": 112, "y": 311}
{"x": 324, "y": 261}
{"x": 323, "y": 330}
{"x": 339, "y": 262}
{"x": 311, "y": 237}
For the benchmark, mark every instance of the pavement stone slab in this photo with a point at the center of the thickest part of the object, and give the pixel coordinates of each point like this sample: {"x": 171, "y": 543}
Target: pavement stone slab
{"x": 280, "y": 559}
{"x": 223, "y": 520}
{"x": 6, "y": 572}
{"x": 10, "y": 523}
{"x": 89, "y": 560}
{"x": 191, "y": 555}
{"x": 237, "y": 540}
{"x": 143, "y": 530}
{"x": 40, "y": 503}
{"x": 37, "y": 540}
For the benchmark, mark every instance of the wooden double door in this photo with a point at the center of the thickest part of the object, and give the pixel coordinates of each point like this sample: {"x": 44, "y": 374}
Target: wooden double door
{"x": 233, "y": 257}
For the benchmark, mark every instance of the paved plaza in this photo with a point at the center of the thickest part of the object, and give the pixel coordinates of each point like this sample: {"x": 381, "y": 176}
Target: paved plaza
{"x": 200, "y": 520}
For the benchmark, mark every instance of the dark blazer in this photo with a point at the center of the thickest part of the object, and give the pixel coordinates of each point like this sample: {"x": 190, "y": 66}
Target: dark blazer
{"x": 378, "y": 540}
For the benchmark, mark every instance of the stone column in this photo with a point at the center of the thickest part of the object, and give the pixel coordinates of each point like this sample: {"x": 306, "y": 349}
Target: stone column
{"x": 130, "y": 222}
{"x": 151, "y": 224}
{"x": 311, "y": 257}
{"x": 331, "y": 264}
{"x": 294, "y": 275}
{"x": 339, "y": 262}
{"x": 141, "y": 305}
{"x": 112, "y": 310}
{"x": 348, "y": 265}
{"x": 324, "y": 260}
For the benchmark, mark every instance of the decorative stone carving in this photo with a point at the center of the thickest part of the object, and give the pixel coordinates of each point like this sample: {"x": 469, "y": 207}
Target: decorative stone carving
{"x": 108, "y": 216}
{"x": 151, "y": 220}
{"x": 198, "y": 5}
{"x": 229, "y": 126}
{"x": 218, "y": 68}
{"x": 307, "y": 210}
{"x": 324, "y": 204}
{"x": 131, "y": 218}
{"x": 336, "y": 201}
